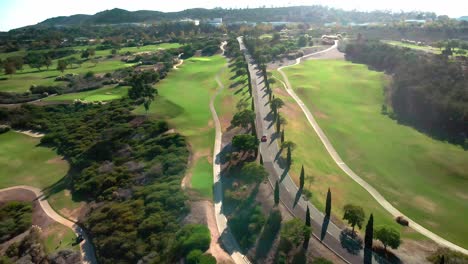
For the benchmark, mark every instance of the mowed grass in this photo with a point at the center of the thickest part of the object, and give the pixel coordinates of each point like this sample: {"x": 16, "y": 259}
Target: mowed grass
{"x": 413, "y": 46}
{"x": 23, "y": 162}
{"x": 105, "y": 93}
{"x": 424, "y": 178}
{"x": 184, "y": 97}
{"x": 22, "y": 80}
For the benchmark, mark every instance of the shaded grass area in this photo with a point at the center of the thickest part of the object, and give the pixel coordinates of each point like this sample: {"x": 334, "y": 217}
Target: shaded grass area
{"x": 422, "y": 177}
{"x": 105, "y": 93}
{"x": 184, "y": 97}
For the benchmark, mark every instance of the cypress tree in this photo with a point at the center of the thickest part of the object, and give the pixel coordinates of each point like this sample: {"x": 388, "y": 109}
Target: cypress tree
{"x": 369, "y": 233}
{"x": 261, "y": 159}
{"x": 277, "y": 193}
{"x": 288, "y": 157}
{"x": 302, "y": 178}
{"x": 278, "y": 123}
{"x": 282, "y": 136}
{"x": 307, "y": 220}
{"x": 328, "y": 204}
{"x": 253, "y": 105}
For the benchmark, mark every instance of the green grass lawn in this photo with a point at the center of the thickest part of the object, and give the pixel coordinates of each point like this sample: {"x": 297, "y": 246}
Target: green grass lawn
{"x": 105, "y": 93}
{"x": 22, "y": 80}
{"x": 184, "y": 97}
{"x": 23, "y": 162}
{"x": 55, "y": 233}
{"x": 412, "y": 46}
{"x": 422, "y": 177}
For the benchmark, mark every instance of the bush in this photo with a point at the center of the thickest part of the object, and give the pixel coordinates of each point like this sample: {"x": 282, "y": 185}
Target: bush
{"x": 192, "y": 237}
{"x": 4, "y": 129}
{"x": 15, "y": 218}
{"x": 45, "y": 89}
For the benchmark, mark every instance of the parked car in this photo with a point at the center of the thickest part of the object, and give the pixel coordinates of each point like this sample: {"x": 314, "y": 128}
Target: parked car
{"x": 264, "y": 139}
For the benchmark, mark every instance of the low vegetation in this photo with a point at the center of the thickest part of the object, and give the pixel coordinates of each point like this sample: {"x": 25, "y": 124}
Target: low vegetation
{"x": 15, "y": 218}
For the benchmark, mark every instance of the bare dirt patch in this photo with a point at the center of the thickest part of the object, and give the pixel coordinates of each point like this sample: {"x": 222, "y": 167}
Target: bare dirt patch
{"x": 56, "y": 160}
{"x": 412, "y": 251}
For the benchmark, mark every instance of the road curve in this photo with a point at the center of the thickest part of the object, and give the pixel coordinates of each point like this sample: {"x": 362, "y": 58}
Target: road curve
{"x": 86, "y": 248}
{"x": 229, "y": 241}
{"x": 336, "y": 157}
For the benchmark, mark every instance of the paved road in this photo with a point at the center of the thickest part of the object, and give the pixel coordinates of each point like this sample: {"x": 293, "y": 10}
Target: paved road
{"x": 86, "y": 248}
{"x": 336, "y": 157}
{"x": 229, "y": 241}
{"x": 288, "y": 189}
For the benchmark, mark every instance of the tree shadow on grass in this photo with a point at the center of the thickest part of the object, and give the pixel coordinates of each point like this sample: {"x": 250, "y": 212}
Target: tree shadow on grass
{"x": 385, "y": 257}
{"x": 63, "y": 184}
{"x": 268, "y": 236}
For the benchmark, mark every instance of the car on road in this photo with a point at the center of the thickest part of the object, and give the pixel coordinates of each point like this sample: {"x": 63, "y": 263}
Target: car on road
{"x": 264, "y": 139}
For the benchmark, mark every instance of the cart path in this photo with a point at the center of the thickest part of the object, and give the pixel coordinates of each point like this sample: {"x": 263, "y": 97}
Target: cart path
{"x": 86, "y": 248}
{"x": 336, "y": 157}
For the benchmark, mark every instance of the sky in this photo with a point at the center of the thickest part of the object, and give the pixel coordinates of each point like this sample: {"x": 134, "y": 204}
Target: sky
{"x": 19, "y": 13}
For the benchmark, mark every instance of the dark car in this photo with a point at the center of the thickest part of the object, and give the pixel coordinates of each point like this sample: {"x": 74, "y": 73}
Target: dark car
{"x": 264, "y": 139}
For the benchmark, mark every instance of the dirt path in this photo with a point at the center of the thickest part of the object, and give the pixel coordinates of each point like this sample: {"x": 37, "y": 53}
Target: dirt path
{"x": 30, "y": 133}
{"x": 86, "y": 248}
{"x": 228, "y": 240}
{"x": 337, "y": 159}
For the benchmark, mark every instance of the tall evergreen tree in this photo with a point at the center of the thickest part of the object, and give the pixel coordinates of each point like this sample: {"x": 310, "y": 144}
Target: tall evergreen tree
{"x": 253, "y": 105}
{"x": 278, "y": 123}
{"x": 307, "y": 220}
{"x": 328, "y": 204}
{"x": 282, "y": 136}
{"x": 302, "y": 178}
{"x": 277, "y": 194}
{"x": 369, "y": 233}
{"x": 288, "y": 157}
{"x": 261, "y": 159}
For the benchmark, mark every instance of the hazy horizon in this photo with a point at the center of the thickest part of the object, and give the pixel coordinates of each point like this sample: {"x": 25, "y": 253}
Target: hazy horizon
{"x": 19, "y": 13}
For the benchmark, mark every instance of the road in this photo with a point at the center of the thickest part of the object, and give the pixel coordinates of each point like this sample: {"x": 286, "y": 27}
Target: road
{"x": 228, "y": 240}
{"x": 336, "y": 157}
{"x": 288, "y": 189}
{"x": 86, "y": 248}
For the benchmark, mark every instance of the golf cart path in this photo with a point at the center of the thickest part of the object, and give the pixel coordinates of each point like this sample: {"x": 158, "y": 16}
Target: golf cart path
{"x": 86, "y": 248}
{"x": 336, "y": 157}
{"x": 228, "y": 240}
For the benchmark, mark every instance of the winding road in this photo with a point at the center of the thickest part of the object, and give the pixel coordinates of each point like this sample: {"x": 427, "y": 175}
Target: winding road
{"x": 336, "y": 157}
{"x": 86, "y": 248}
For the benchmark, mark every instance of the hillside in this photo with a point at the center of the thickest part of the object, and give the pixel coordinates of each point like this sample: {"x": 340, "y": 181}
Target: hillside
{"x": 309, "y": 14}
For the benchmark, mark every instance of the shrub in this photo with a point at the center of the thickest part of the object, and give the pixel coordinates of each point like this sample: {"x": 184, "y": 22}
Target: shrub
{"x": 192, "y": 237}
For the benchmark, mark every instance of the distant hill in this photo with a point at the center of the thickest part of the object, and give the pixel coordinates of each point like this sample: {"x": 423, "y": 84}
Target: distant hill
{"x": 310, "y": 14}
{"x": 464, "y": 18}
